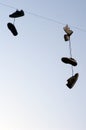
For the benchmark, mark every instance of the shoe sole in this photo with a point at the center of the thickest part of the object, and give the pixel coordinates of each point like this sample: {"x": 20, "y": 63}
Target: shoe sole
{"x": 13, "y": 16}
{"x": 68, "y": 61}
{"x": 12, "y": 28}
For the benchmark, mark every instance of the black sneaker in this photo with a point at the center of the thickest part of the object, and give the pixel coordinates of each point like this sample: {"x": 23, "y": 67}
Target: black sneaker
{"x": 69, "y": 61}
{"x": 66, "y": 37}
{"x": 17, "y": 14}
{"x": 12, "y": 28}
{"x": 72, "y": 80}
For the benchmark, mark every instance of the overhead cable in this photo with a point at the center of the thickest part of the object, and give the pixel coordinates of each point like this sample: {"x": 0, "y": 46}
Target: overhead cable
{"x": 43, "y": 17}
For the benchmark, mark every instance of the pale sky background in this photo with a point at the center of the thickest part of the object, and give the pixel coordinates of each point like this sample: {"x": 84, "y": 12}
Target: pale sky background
{"x": 33, "y": 91}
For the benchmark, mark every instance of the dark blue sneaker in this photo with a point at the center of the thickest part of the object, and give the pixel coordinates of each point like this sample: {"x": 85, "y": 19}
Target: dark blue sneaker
{"x": 69, "y": 61}
{"x": 17, "y": 14}
{"x": 12, "y": 28}
{"x": 72, "y": 80}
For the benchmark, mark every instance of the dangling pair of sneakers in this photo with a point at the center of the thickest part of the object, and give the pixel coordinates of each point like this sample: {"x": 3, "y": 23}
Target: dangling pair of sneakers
{"x": 68, "y": 33}
{"x": 72, "y": 80}
{"x": 14, "y": 15}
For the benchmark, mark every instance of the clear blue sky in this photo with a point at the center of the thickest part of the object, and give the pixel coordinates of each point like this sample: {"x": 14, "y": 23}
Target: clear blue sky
{"x": 33, "y": 92}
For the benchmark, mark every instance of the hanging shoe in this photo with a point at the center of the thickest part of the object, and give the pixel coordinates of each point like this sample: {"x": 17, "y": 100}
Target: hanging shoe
{"x": 67, "y": 30}
{"x": 12, "y": 28}
{"x": 72, "y": 80}
{"x": 69, "y": 61}
{"x": 17, "y": 14}
{"x": 66, "y": 37}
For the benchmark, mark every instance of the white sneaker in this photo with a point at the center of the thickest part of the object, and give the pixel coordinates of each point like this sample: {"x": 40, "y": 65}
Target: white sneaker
{"x": 67, "y": 30}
